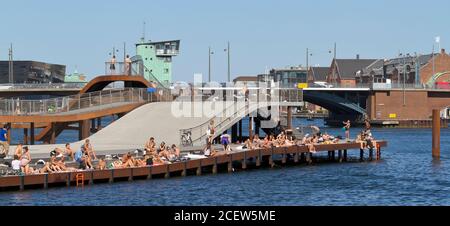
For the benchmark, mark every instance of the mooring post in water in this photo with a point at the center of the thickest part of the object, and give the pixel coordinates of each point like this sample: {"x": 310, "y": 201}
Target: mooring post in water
{"x": 436, "y": 140}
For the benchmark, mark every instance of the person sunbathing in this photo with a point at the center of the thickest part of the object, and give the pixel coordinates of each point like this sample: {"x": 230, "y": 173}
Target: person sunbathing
{"x": 158, "y": 161}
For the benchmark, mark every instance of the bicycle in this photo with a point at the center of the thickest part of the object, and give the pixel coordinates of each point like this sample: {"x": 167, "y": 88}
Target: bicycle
{"x": 186, "y": 138}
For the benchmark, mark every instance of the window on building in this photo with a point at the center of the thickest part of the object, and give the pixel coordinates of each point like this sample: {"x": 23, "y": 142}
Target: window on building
{"x": 166, "y": 70}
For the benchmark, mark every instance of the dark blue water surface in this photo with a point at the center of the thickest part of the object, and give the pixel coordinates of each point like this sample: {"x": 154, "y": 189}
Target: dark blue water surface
{"x": 406, "y": 175}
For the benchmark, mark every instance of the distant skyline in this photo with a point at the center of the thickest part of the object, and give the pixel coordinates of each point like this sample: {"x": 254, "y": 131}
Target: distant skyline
{"x": 263, "y": 34}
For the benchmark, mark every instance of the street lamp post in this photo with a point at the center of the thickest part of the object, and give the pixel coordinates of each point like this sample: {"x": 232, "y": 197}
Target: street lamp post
{"x": 228, "y": 53}
{"x": 209, "y": 63}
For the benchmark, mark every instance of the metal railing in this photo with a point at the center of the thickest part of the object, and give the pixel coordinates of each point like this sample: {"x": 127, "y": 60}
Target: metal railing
{"x": 378, "y": 86}
{"x": 27, "y": 86}
{"x": 81, "y": 101}
{"x": 241, "y": 108}
{"x": 121, "y": 68}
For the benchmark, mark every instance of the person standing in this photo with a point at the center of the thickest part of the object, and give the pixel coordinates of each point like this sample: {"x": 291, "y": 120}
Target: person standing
{"x": 128, "y": 65}
{"x": 4, "y": 141}
{"x": 112, "y": 65}
{"x": 347, "y": 130}
{"x": 367, "y": 123}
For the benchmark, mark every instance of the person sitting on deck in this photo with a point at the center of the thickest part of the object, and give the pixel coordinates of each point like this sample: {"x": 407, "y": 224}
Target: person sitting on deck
{"x": 15, "y": 164}
{"x": 59, "y": 161}
{"x": 370, "y": 141}
{"x": 266, "y": 142}
{"x": 150, "y": 146}
{"x": 361, "y": 140}
{"x": 69, "y": 152}
{"x": 101, "y": 164}
{"x": 53, "y": 164}
{"x": 256, "y": 141}
{"x": 248, "y": 144}
{"x": 165, "y": 154}
{"x": 25, "y": 160}
{"x": 176, "y": 151}
{"x": 309, "y": 142}
{"x": 127, "y": 160}
{"x": 90, "y": 150}
{"x": 19, "y": 151}
{"x": 162, "y": 147}
{"x": 208, "y": 148}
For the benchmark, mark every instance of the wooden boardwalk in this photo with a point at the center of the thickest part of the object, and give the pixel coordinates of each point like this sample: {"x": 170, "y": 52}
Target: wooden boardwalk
{"x": 196, "y": 167}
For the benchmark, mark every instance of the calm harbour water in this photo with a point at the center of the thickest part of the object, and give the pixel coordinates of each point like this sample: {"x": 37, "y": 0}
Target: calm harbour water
{"x": 406, "y": 175}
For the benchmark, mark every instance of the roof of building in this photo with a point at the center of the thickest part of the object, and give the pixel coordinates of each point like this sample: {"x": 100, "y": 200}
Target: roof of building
{"x": 347, "y": 68}
{"x": 320, "y": 73}
{"x": 246, "y": 78}
{"x": 397, "y": 64}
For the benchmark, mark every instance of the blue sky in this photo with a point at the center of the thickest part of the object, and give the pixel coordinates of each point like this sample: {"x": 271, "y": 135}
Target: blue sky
{"x": 263, "y": 33}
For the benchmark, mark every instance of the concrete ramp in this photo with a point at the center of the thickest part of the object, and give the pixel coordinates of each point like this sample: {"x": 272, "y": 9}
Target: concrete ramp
{"x": 135, "y": 128}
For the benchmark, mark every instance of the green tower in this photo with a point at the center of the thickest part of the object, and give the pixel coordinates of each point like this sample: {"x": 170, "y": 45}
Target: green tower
{"x": 157, "y": 60}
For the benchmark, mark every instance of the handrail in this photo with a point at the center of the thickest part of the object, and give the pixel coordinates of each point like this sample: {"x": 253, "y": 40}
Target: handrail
{"x": 75, "y": 85}
{"x": 200, "y": 130}
{"x": 80, "y": 101}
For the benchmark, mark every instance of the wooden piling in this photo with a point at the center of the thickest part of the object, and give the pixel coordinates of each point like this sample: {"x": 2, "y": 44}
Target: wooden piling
{"x": 258, "y": 158}
{"x": 296, "y": 156}
{"x": 25, "y": 136}
{"x": 214, "y": 169}
{"x": 244, "y": 161}
{"x": 199, "y": 168}
{"x": 46, "y": 181}
{"x": 345, "y": 155}
{"x": 184, "y": 172}
{"x": 283, "y": 159}
{"x": 309, "y": 158}
{"x": 361, "y": 155}
{"x": 271, "y": 158}
{"x": 340, "y": 155}
{"x": 32, "y": 133}
{"x": 436, "y": 134}
{"x": 230, "y": 163}
{"x": 167, "y": 174}
{"x": 149, "y": 175}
